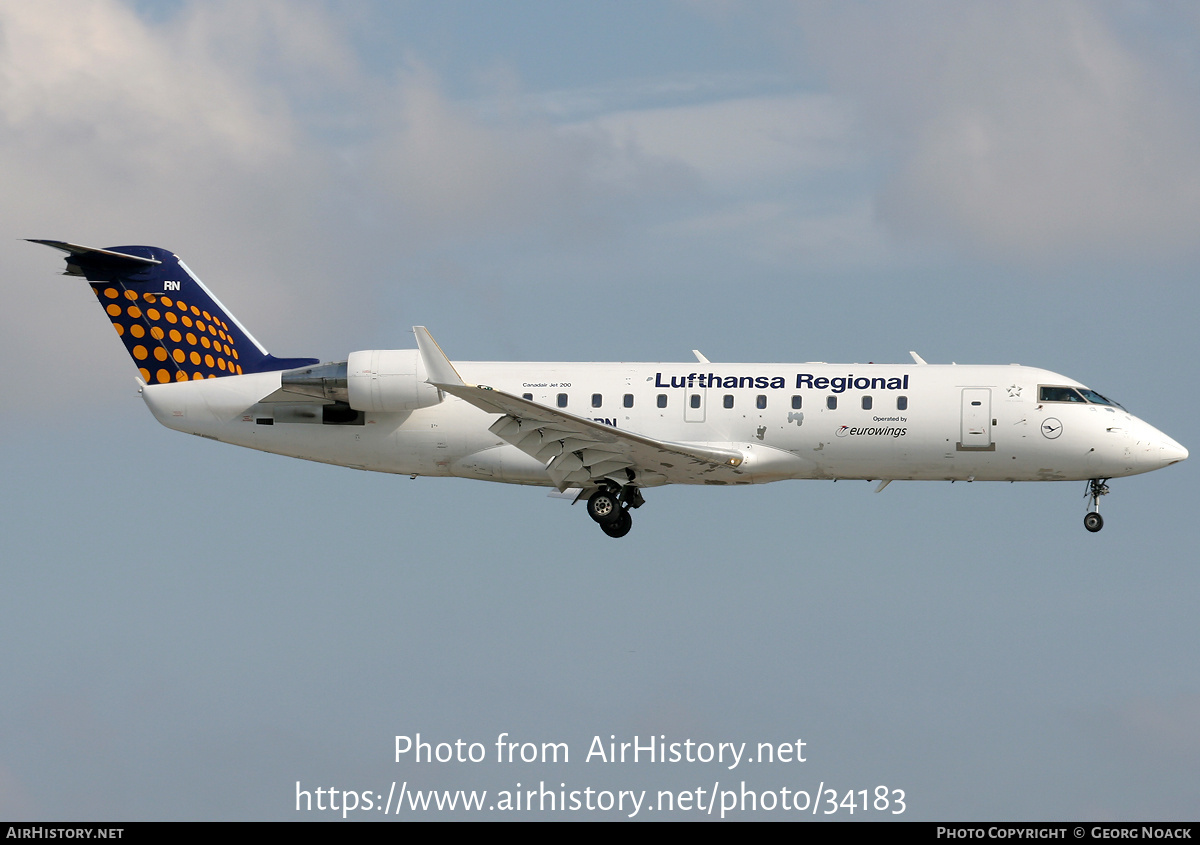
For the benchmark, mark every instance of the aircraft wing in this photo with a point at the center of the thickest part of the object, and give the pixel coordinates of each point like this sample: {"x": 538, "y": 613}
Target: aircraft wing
{"x": 578, "y": 452}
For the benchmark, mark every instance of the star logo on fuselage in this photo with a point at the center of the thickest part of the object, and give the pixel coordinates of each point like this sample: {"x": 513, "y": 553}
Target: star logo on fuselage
{"x": 1014, "y": 391}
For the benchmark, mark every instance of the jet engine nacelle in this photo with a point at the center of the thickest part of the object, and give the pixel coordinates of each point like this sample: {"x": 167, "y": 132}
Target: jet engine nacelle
{"x": 388, "y": 380}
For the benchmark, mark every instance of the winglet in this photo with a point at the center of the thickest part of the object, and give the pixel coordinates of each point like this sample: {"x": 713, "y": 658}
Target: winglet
{"x": 916, "y": 357}
{"x": 700, "y": 357}
{"x": 437, "y": 365}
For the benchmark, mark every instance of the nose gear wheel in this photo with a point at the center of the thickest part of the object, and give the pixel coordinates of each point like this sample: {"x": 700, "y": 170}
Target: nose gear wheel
{"x": 1096, "y": 488}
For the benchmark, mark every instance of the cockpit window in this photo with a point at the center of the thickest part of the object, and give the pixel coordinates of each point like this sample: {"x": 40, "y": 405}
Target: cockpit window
{"x": 1047, "y": 393}
{"x": 1050, "y": 393}
{"x": 1093, "y": 396}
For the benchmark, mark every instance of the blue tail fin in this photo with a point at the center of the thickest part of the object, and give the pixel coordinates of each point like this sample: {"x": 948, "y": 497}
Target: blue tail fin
{"x": 173, "y": 327}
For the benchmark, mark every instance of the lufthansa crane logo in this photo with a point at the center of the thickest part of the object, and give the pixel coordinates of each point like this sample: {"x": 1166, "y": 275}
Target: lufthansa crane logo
{"x": 1051, "y": 428}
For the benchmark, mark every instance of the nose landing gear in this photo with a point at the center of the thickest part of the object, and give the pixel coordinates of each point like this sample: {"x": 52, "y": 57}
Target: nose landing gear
{"x": 1092, "y": 520}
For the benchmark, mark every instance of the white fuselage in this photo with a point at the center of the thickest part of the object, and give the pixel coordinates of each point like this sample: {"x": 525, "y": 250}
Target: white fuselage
{"x": 812, "y": 420}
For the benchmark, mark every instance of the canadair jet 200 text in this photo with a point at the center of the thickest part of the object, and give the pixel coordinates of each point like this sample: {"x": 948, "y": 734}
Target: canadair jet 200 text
{"x": 602, "y": 433}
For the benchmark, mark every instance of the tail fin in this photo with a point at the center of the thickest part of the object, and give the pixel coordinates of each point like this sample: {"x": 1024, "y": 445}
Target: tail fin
{"x": 173, "y": 327}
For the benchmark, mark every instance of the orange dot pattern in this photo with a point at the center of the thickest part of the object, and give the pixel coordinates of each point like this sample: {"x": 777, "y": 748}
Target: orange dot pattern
{"x": 146, "y": 322}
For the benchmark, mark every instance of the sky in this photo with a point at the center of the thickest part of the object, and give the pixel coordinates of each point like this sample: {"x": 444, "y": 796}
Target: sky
{"x": 192, "y": 631}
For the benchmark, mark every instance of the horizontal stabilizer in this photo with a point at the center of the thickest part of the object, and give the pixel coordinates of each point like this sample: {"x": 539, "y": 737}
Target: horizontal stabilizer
{"x": 95, "y": 256}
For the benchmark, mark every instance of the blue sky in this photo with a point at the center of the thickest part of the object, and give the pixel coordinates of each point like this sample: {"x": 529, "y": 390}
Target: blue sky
{"x": 190, "y": 628}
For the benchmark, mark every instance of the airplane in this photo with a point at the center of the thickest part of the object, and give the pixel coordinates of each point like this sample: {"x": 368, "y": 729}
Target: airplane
{"x": 601, "y": 433}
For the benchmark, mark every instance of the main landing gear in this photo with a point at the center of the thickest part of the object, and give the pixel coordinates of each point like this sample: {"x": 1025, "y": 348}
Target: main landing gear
{"x": 610, "y": 506}
{"x": 1092, "y": 520}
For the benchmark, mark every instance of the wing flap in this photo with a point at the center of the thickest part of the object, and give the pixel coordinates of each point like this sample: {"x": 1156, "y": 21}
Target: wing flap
{"x": 581, "y": 452}
{"x": 506, "y": 427}
{"x": 545, "y": 452}
{"x": 608, "y": 467}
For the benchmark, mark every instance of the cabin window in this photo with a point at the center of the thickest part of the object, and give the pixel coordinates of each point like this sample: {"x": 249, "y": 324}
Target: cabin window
{"x": 562, "y": 400}
{"x": 597, "y": 400}
{"x": 797, "y": 402}
{"x": 694, "y": 399}
{"x": 662, "y": 400}
{"x": 528, "y": 397}
{"x": 761, "y": 402}
{"x": 866, "y": 403}
{"x": 628, "y": 400}
{"x": 728, "y": 400}
{"x": 901, "y": 403}
{"x": 831, "y": 403}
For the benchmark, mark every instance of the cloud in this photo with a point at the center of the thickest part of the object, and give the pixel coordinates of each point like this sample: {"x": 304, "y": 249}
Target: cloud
{"x": 742, "y": 142}
{"x": 94, "y": 82}
{"x": 1019, "y": 128}
{"x": 253, "y": 141}
{"x": 116, "y": 130}
{"x": 258, "y": 142}
{"x": 457, "y": 169}
{"x": 786, "y": 234}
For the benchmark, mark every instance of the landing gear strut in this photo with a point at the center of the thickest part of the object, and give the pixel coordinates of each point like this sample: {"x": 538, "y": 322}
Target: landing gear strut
{"x": 610, "y": 506}
{"x": 1092, "y": 520}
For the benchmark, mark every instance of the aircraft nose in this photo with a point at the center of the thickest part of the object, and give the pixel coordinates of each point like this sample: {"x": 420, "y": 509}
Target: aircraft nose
{"x": 1149, "y": 449}
{"x": 1172, "y": 452}
{"x": 1163, "y": 451}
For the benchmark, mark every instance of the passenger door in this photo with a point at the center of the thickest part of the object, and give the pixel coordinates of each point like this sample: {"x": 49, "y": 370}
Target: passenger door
{"x": 976, "y": 418}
